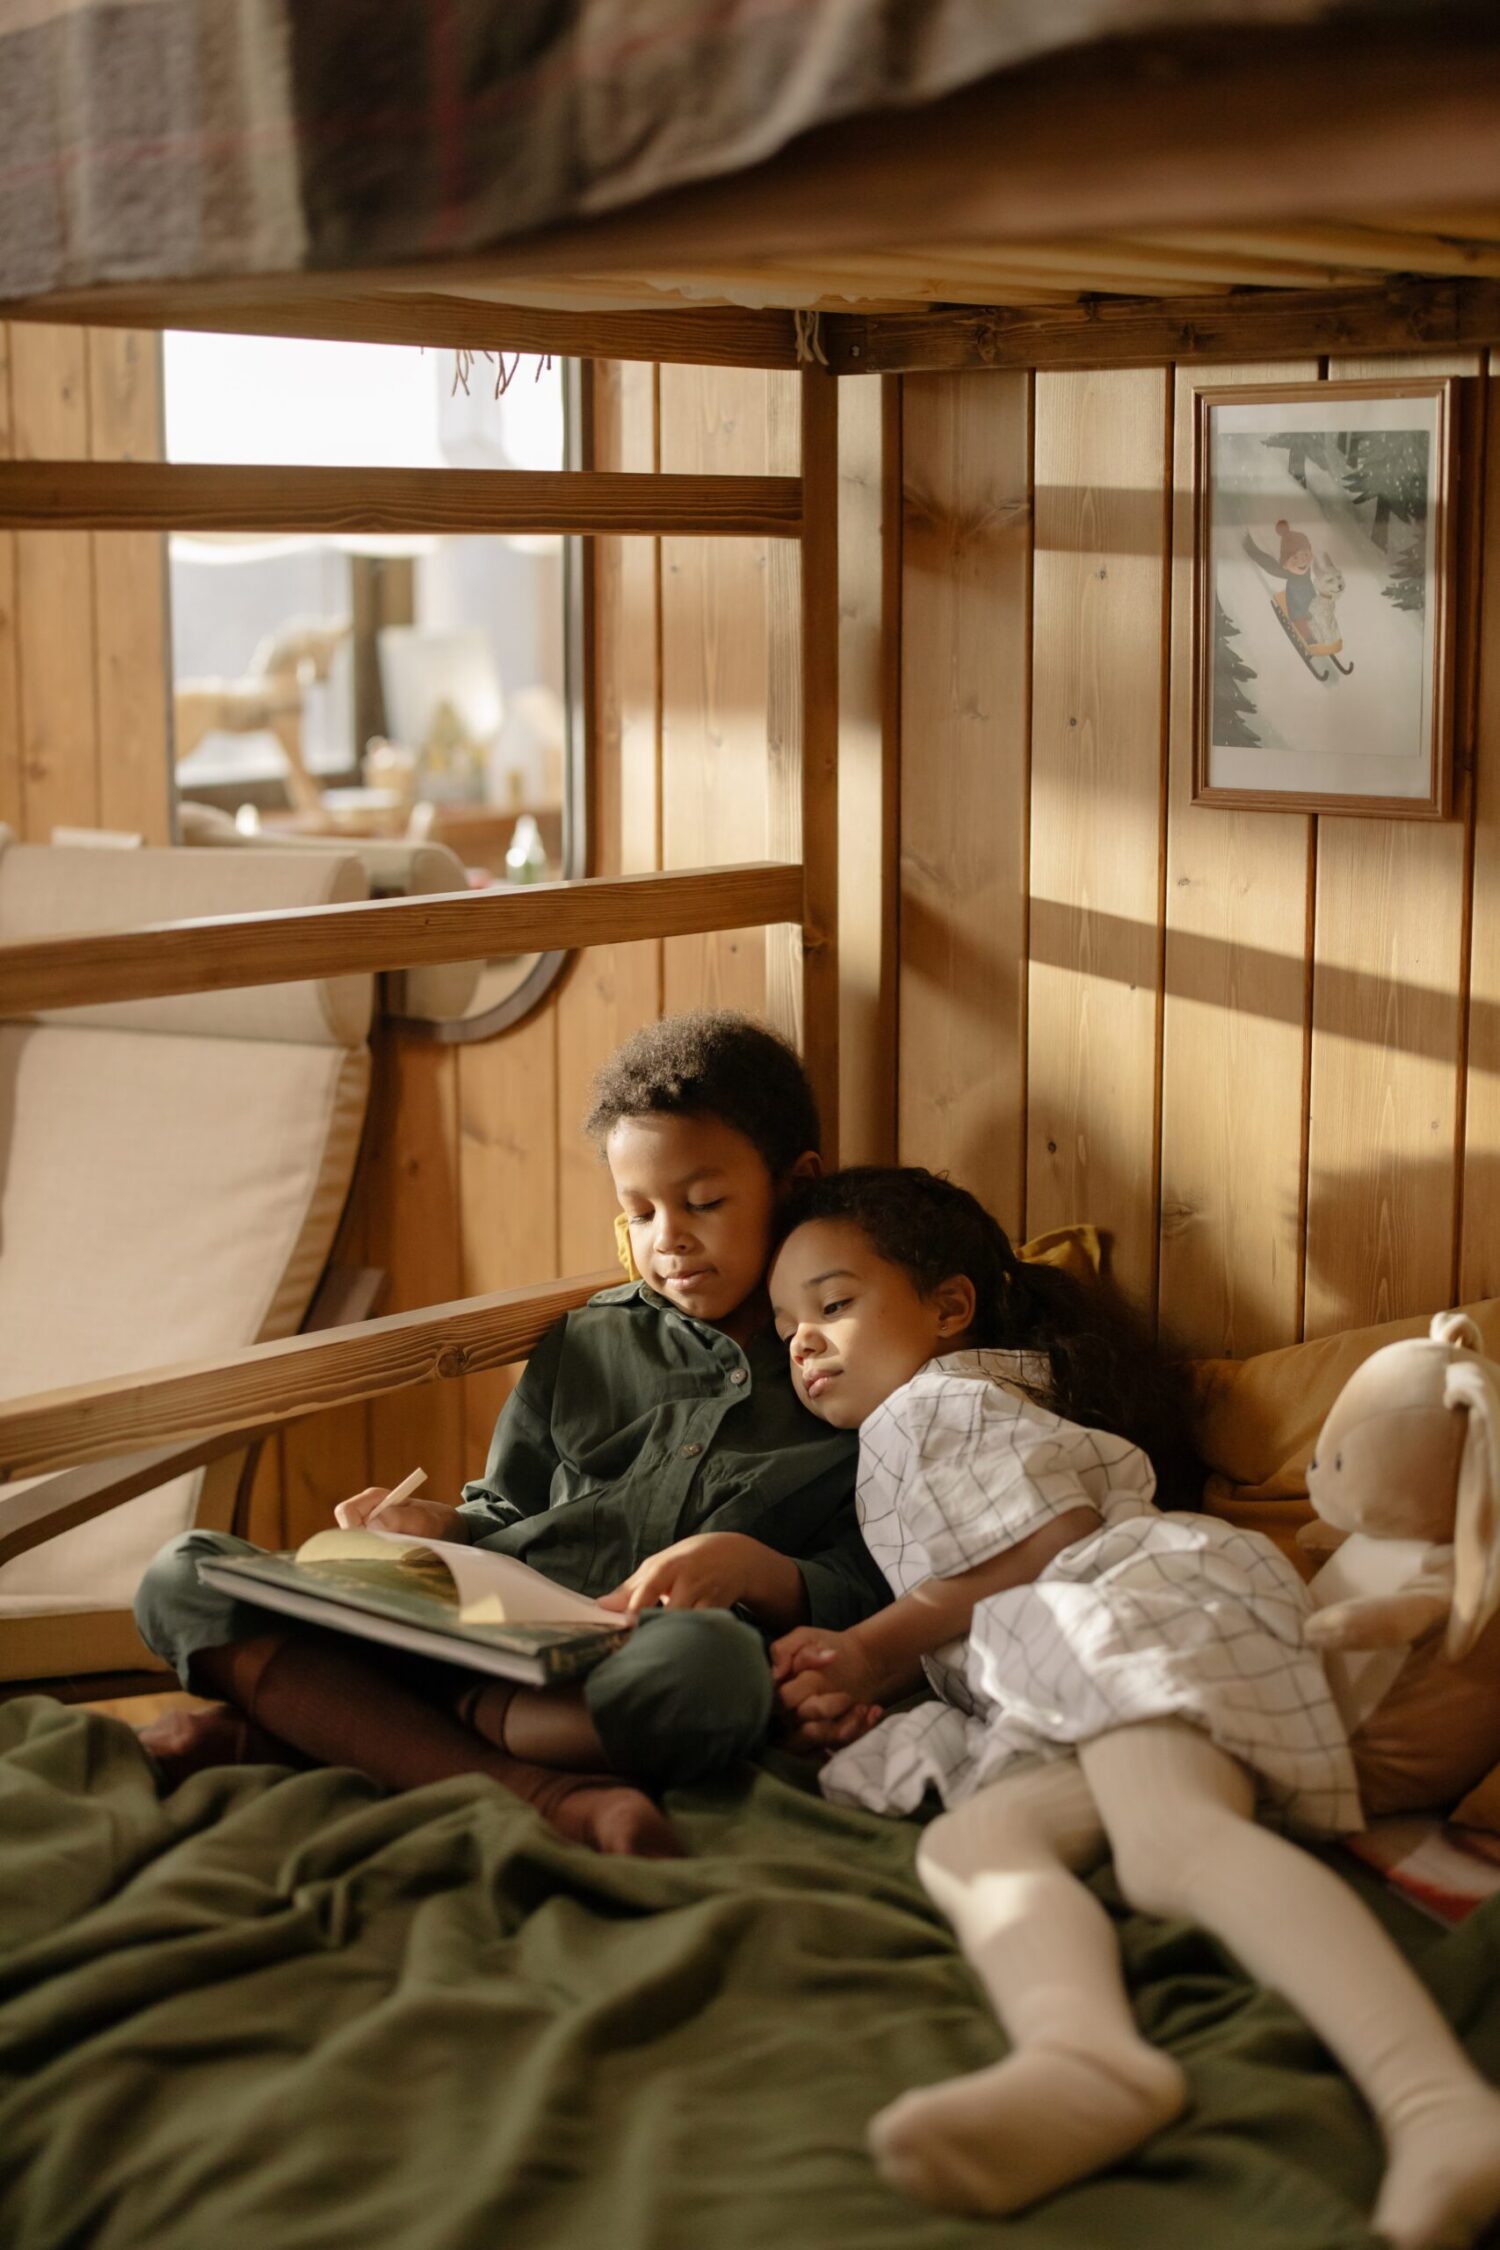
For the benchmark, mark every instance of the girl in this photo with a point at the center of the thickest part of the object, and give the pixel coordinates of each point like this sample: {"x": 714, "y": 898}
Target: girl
{"x": 1111, "y": 1678}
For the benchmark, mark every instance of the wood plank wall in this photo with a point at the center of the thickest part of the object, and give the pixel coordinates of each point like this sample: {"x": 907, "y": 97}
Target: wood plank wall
{"x": 1262, "y": 1050}
{"x": 476, "y": 1174}
{"x": 83, "y": 647}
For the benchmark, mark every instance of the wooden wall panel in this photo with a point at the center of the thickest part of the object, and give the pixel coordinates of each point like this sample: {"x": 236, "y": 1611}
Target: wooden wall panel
{"x": 869, "y": 771}
{"x": 54, "y": 592}
{"x": 714, "y": 678}
{"x": 1096, "y": 810}
{"x": 508, "y": 1142}
{"x": 1388, "y": 970}
{"x": 1235, "y": 1007}
{"x": 12, "y": 799}
{"x": 1479, "y": 1264}
{"x": 412, "y": 1179}
{"x": 966, "y": 577}
{"x": 131, "y": 641}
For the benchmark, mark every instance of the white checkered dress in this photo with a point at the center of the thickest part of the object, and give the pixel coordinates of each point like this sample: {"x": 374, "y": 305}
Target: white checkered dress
{"x": 1151, "y": 1616}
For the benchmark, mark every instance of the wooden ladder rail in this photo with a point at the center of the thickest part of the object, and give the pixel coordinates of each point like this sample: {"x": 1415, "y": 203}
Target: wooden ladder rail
{"x": 269, "y": 1384}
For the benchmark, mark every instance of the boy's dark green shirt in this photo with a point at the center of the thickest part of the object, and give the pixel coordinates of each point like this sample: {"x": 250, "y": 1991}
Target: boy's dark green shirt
{"x": 634, "y": 1426}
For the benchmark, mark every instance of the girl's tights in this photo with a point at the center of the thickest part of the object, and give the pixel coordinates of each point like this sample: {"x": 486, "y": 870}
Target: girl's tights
{"x": 1081, "y": 2088}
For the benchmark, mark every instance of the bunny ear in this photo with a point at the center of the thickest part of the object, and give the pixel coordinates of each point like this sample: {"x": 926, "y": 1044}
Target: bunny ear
{"x": 1457, "y": 1329}
{"x": 1476, "y": 1527}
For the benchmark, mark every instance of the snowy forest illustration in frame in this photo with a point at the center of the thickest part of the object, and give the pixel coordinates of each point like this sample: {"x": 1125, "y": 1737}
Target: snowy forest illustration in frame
{"x": 1323, "y": 652}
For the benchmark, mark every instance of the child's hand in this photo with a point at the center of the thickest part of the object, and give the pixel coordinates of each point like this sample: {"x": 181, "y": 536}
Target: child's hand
{"x": 713, "y": 1570}
{"x": 812, "y": 1663}
{"x": 423, "y": 1519}
{"x": 820, "y": 1729}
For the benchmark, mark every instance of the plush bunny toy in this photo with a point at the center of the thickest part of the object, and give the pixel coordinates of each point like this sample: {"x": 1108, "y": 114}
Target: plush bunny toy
{"x": 1406, "y": 1484}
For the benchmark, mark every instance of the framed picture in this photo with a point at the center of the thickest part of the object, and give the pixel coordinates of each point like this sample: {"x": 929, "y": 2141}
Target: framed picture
{"x": 1323, "y": 609}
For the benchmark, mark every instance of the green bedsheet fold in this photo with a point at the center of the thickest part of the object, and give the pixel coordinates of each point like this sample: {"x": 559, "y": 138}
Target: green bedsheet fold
{"x": 289, "y": 2012}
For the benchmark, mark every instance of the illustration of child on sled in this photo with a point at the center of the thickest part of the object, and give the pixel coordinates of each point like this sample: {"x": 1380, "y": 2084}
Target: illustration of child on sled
{"x": 1305, "y": 601}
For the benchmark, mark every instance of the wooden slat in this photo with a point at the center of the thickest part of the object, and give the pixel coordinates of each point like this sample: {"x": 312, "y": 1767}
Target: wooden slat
{"x": 1096, "y": 811}
{"x": 714, "y": 682}
{"x": 965, "y": 660}
{"x": 1234, "y": 1034}
{"x": 55, "y": 495}
{"x": 1136, "y": 332}
{"x": 12, "y": 787}
{"x": 869, "y": 751}
{"x": 1382, "y": 1160}
{"x": 306, "y": 305}
{"x": 243, "y": 949}
{"x": 130, "y": 596}
{"x": 818, "y": 779}
{"x": 1479, "y": 1261}
{"x": 271, "y": 1383}
{"x": 412, "y": 1191}
{"x": 54, "y": 594}
{"x": 60, "y": 1503}
{"x": 509, "y": 1136}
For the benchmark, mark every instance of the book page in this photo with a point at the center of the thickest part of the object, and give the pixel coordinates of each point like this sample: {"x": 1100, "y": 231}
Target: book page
{"x": 492, "y": 1589}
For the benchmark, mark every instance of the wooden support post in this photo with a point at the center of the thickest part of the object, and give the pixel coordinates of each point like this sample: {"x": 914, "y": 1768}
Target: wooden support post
{"x": 819, "y": 777}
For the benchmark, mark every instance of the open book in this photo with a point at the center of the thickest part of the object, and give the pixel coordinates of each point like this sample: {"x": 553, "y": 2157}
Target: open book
{"x": 462, "y": 1605}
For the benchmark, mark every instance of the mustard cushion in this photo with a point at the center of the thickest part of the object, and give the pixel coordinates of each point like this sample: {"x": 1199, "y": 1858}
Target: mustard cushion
{"x": 1077, "y": 1250}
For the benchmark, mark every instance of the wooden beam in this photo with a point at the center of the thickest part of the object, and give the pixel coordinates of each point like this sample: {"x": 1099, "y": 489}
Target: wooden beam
{"x": 1400, "y": 316}
{"x": 820, "y": 746}
{"x": 60, "y": 1503}
{"x": 223, "y": 952}
{"x": 384, "y": 308}
{"x": 267, "y": 1384}
{"x": 183, "y": 496}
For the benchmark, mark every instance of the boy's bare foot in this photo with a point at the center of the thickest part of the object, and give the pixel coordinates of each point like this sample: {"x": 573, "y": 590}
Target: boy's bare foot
{"x": 182, "y": 1743}
{"x": 605, "y": 1813}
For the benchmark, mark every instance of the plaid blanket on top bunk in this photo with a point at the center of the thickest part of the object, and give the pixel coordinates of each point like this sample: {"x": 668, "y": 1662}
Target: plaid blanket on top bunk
{"x": 176, "y": 139}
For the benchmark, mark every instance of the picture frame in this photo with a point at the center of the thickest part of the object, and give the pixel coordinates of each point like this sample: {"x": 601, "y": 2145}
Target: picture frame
{"x": 1323, "y": 605}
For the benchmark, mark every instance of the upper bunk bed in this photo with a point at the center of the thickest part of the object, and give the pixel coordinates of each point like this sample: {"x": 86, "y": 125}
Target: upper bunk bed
{"x": 944, "y": 183}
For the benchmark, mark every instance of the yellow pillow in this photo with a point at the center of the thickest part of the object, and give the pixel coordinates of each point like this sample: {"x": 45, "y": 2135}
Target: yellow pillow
{"x": 1257, "y": 1420}
{"x": 1076, "y": 1249}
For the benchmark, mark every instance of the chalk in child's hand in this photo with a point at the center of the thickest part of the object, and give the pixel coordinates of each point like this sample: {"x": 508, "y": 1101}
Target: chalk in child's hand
{"x": 402, "y": 1491}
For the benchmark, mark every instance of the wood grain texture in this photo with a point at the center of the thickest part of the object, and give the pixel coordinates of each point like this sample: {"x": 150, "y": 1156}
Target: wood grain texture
{"x": 130, "y": 596}
{"x": 1096, "y": 812}
{"x": 310, "y": 305}
{"x": 1388, "y": 963}
{"x": 714, "y": 681}
{"x": 269, "y": 1383}
{"x": 965, "y": 661}
{"x": 212, "y": 954}
{"x": 1479, "y": 1260}
{"x": 1234, "y": 1034}
{"x": 869, "y": 774}
{"x": 509, "y": 1134}
{"x": 12, "y": 787}
{"x": 1398, "y": 316}
{"x": 47, "y": 492}
{"x": 413, "y": 1190}
{"x": 817, "y": 777}
{"x": 54, "y": 590}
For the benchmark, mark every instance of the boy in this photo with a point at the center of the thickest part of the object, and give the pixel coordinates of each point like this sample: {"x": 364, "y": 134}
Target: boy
{"x": 653, "y": 1453}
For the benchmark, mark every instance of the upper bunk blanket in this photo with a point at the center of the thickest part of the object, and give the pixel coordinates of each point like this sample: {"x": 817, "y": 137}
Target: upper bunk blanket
{"x": 286, "y": 2009}
{"x": 175, "y": 139}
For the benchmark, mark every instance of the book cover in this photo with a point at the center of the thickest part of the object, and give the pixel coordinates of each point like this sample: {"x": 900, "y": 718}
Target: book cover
{"x": 462, "y": 1605}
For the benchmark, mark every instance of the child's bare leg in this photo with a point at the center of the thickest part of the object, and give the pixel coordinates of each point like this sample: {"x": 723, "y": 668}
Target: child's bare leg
{"x": 1179, "y": 1813}
{"x": 310, "y": 1689}
{"x": 1082, "y": 2088}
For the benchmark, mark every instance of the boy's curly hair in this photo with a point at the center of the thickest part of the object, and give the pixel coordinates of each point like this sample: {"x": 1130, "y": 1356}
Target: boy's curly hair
{"x": 712, "y": 1063}
{"x": 1104, "y": 1371}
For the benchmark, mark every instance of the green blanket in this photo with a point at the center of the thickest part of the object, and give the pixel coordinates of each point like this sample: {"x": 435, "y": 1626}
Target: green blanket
{"x": 288, "y": 2011}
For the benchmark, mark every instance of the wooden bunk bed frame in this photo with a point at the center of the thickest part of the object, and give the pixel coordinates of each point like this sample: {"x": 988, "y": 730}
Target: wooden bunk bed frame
{"x": 1155, "y": 150}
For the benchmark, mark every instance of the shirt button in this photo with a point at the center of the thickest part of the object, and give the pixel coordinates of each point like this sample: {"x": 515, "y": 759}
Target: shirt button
{"x": 738, "y": 1376}
{"x": 689, "y": 1450}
